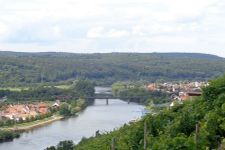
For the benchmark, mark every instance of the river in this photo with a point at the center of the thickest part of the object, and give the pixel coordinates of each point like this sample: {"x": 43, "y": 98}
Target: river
{"x": 98, "y": 116}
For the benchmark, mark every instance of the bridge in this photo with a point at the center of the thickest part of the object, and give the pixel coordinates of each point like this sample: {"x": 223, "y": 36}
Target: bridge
{"x": 108, "y": 97}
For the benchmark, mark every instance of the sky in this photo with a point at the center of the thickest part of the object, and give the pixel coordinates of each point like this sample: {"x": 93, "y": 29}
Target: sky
{"x": 90, "y": 26}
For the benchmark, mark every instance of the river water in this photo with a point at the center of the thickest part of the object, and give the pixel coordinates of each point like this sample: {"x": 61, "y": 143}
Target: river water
{"x": 98, "y": 116}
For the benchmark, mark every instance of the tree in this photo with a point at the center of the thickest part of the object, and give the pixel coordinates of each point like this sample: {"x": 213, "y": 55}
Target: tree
{"x": 51, "y": 148}
{"x": 65, "y": 145}
{"x": 65, "y": 110}
{"x": 84, "y": 88}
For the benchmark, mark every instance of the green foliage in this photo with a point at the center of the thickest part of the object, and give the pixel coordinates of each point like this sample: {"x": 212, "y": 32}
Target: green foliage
{"x": 28, "y": 69}
{"x": 216, "y": 88}
{"x": 39, "y": 93}
{"x": 71, "y": 108}
{"x": 9, "y": 122}
{"x": 173, "y": 129}
{"x": 73, "y": 104}
{"x": 80, "y": 88}
{"x": 138, "y": 93}
{"x": 63, "y": 145}
{"x": 77, "y": 105}
{"x": 84, "y": 87}
{"x": 65, "y": 110}
{"x": 8, "y": 135}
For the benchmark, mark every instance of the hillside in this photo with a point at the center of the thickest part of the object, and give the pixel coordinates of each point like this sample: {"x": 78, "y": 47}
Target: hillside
{"x": 173, "y": 128}
{"x": 21, "y": 69}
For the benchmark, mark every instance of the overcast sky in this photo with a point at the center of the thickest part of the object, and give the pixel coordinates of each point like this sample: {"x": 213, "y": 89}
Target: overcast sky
{"x": 113, "y": 25}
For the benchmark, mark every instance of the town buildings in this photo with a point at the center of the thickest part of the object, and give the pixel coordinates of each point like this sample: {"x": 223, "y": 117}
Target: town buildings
{"x": 180, "y": 91}
{"x": 24, "y": 111}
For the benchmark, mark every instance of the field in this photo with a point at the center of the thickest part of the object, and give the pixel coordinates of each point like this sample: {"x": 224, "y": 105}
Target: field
{"x": 33, "y": 124}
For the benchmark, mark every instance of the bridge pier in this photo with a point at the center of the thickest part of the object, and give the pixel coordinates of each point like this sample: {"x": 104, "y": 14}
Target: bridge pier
{"x": 107, "y": 101}
{"x": 128, "y": 101}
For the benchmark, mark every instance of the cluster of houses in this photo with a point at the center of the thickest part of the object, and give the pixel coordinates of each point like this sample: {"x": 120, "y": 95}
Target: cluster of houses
{"x": 179, "y": 91}
{"x": 24, "y": 111}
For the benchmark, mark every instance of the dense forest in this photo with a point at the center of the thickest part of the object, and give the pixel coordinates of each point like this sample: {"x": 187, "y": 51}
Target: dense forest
{"x": 81, "y": 88}
{"x": 28, "y": 69}
{"x": 137, "y": 92}
{"x": 198, "y": 124}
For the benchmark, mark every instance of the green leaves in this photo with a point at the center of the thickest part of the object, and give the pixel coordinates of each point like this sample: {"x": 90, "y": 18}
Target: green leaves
{"x": 84, "y": 87}
{"x": 21, "y": 69}
{"x": 174, "y": 129}
{"x": 63, "y": 145}
{"x": 136, "y": 92}
{"x": 8, "y": 135}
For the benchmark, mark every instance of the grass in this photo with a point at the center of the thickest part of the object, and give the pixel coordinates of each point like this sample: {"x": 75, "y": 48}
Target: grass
{"x": 15, "y": 89}
{"x": 18, "y": 89}
{"x": 33, "y": 124}
{"x": 63, "y": 86}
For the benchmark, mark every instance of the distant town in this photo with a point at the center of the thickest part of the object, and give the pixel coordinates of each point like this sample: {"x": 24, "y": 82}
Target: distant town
{"x": 181, "y": 91}
{"x": 23, "y": 111}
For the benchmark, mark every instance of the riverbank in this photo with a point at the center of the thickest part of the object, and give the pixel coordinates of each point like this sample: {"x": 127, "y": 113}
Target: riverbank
{"x": 34, "y": 124}
{"x": 97, "y": 116}
{"x": 66, "y": 110}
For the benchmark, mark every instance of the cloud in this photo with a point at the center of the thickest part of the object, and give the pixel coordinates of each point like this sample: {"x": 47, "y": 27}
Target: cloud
{"x": 96, "y": 32}
{"x": 4, "y": 30}
{"x": 99, "y": 32}
{"x": 118, "y": 33}
{"x": 113, "y": 25}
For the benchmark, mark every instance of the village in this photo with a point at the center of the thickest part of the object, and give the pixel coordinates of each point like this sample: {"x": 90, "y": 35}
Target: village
{"x": 24, "y": 111}
{"x": 180, "y": 91}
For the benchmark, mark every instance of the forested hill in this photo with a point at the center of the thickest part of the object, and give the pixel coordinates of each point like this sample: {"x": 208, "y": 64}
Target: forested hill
{"x": 174, "y": 128}
{"x": 197, "y": 124}
{"x": 19, "y": 69}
